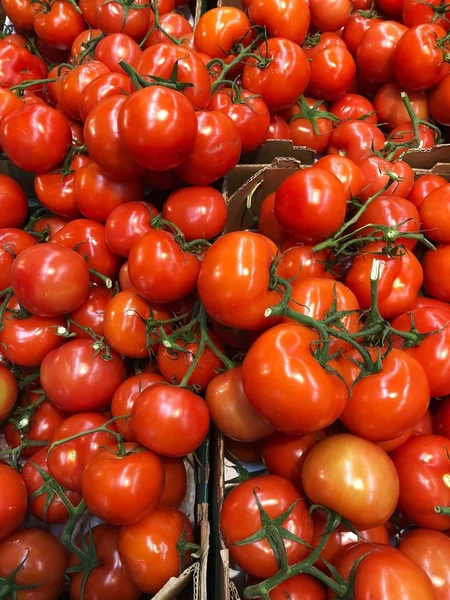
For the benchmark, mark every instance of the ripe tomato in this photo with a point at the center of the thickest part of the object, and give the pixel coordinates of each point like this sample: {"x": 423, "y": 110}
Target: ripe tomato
{"x": 55, "y": 511}
{"x": 287, "y": 385}
{"x": 13, "y": 501}
{"x": 423, "y": 469}
{"x": 175, "y": 482}
{"x": 299, "y": 587}
{"x": 173, "y": 23}
{"x": 74, "y": 82}
{"x": 355, "y": 140}
{"x": 353, "y": 477}
{"x": 284, "y": 79}
{"x": 48, "y": 226}
{"x": 438, "y": 101}
{"x": 35, "y": 138}
{"x": 306, "y": 126}
{"x": 91, "y": 313}
{"x": 301, "y": 262}
{"x": 240, "y": 518}
{"x": 430, "y": 550}
{"x": 116, "y": 47}
{"x": 387, "y": 404}
{"x": 60, "y": 25}
{"x": 391, "y": 110}
{"x": 348, "y": 173}
{"x": 13, "y": 202}
{"x": 356, "y": 27}
{"x": 103, "y": 86}
{"x": 278, "y": 128}
{"x": 108, "y": 579}
{"x": 216, "y": 149}
{"x": 122, "y": 489}
{"x": 19, "y": 65}
{"x": 434, "y": 214}
{"x": 332, "y": 71}
{"x": 310, "y": 204}
{"x": 352, "y": 107}
{"x": 169, "y": 420}
{"x": 9, "y": 390}
{"x": 33, "y": 557}
{"x": 113, "y": 17}
{"x": 285, "y": 454}
{"x": 443, "y": 419}
{"x": 219, "y": 29}
{"x": 230, "y": 410}
{"x": 61, "y": 272}
{"x": 152, "y": 257}
{"x": 404, "y": 269}
{"x": 9, "y": 102}
{"x": 21, "y": 13}
{"x": 375, "y": 55}
{"x": 435, "y": 266}
{"x": 149, "y": 551}
{"x": 288, "y": 20}
{"x": 425, "y": 425}
{"x": 404, "y": 134}
{"x": 331, "y": 15}
{"x": 126, "y": 223}
{"x": 430, "y": 352}
{"x": 416, "y": 13}
{"x": 267, "y": 223}
{"x": 81, "y": 43}
{"x": 12, "y": 243}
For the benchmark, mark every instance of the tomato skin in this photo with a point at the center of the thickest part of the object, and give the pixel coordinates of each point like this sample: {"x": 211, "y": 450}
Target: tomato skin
{"x": 230, "y": 410}
{"x": 244, "y": 280}
{"x": 356, "y": 140}
{"x": 281, "y": 359}
{"x": 44, "y": 561}
{"x": 9, "y": 102}
{"x": 74, "y": 82}
{"x": 284, "y": 454}
{"x": 240, "y": 518}
{"x": 392, "y": 301}
{"x": 62, "y": 272}
{"x": 56, "y": 512}
{"x": 416, "y": 13}
{"x": 278, "y": 128}
{"x": 91, "y": 313}
{"x": 371, "y": 470}
{"x": 216, "y": 149}
{"x": 443, "y": 419}
{"x": 426, "y": 425}
{"x": 267, "y": 223}
{"x": 199, "y": 211}
{"x": 435, "y": 265}
{"x": 104, "y": 86}
{"x": 285, "y": 20}
{"x": 348, "y": 173}
{"x": 67, "y": 384}
{"x": 122, "y": 489}
{"x": 157, "y": 423}
{"x": 332, "y": 72}
{"x": 108, "y": 580}
{"x": 126, "y": 223}
{"x": 21, "y": 13}
{"x": 148, "y": 548}
{"x": 12, "y": 243}
{"x": 49, "y": 225}
{"x": 376, "y": 51}
{"x": 60, "y": 25}
{"x": 298, "y": 211}
{"x": 152, "y": 257}
{"x": 299, "y": 587}
{"x": 302, "y": 126}
{"x": 434, "y": 213}
{"x": 404, "y": 133}
{"x": 79, "y": 44}
{"x": 430, "y": 352}
{"x": 438, "y": 100}
{"x": 352, "y": 107}
{"x": 330, "y": 16}
{"x": 301, "y": 262}
{"x": 422, "y": 467}
{"x": 175, "y": 482}
{"x": 387, "y": 404}
{"x": 355, "y": 28}
{"x": 174, "y": 24}
{"x": 391, "y": 109}
{"x": 26, "y": 132}
{"x": 124, "y": 398}
{"x": 13, "y": 202}
{"x": 112, "y": 18}
{"x": 219, "y": 29}
{"x": 13, "y": 501}
{"x": 116, "y": 47}
{"x": 19, "y": 65}
{"x": 9, "y": 390}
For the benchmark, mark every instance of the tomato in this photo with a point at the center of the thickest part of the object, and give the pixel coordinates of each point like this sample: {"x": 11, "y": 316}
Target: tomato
{"x": 149, "y": 550}
{"x": 13, "y": 500}
{"x": 239, "y": 264}
{"x": 91, "y": 313}
{"x": 219, "y": 29}
{"x": 299, "y": 587}
{"x": 430, "y": 352}
{"x": 348, "y": 173}
{"x": 394, "y": 212}
{"x": 116, "y": 47}
{"x": 278, "y": 128}
{"x": 55, "y": 512}
{"x": 356, "y": 27}
{"x": 124, "y": 278}
{"x": 310, "y": 204}
{"x": 230, "y": 410}
{"x": 285, "y": 454}
{"x": 386, "y": 404}
{"x": 332, "y": 72}
{"x": 404, "y": 138}
{"x": 416, "y": 68}
{"x": 74, "y": 82}
{"x": 443, "y": 419}
{"x": 434, "y": 214}
{"x": 384, "y": 574}
{"x": 21, "y": 13}
{"x": 173, "y": 23}
{"x": 352, "y": 107}
{"x": 104, "y": 86}
{"x": 169, "y": 420}
{"x": 9, "y": 102}
{"x": 9, "y": 390}
{"x": 423, "y": 186}
{"x": 430, "y": 550}
{"x": 285, "y": 20}
{"x": 355, "y": 140}
{"x": 126, "y": 223}
{"x": 331, "y": 15}
{"x": 391, "y": 110}
{"x": 306, "y": 125}
{"x": 108, "y": 579}
{"x": 13, "y": 203}
{"x": 425, "y": 425}
{"x": 240, "y": 518}
{"x": 81, "y": 44}
{"x": 60, "y": 25}
{"x": 87, "y": 237}
{"x": 423, "y": 469}
{"x": 435, "y": 266}
{"x": 152, "y": 257}
{"x": 416, "y": 13}
{"x": 153, "y": 140}
{"x": 175, "y": 482}
{"x": 287, "y": 386}
{"x": 25, "y": 342}
{"x": 124, "y": 398}
{"x": 438, "y": 101}
{"x": 35, "y": 138}
{"x": 12, "y": 243}
{"x": 353, "y": 477}
{"x": 19, "y": 65}
{"x": 301, "y": 262}
{"x": 63, "y": 274}
{"x": 113, "y": 17}
{"x": 35, "y": 558}
{"x": 375, "y": 54}
{"x": 284, "y": 79}
{"x": 48, "y": 226}
{"x": 267, "y": 223}
{"x": 404, "y": 269}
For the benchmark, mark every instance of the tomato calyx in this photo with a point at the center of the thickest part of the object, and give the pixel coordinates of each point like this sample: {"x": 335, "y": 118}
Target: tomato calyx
{"x": 99, "y": 344}
{"x": 194, "y": 247}
{"x": 313, "y": 113}
{"x": 157, "y": 25}
{"x": 140, "y": 81}
{"x": 184, "y": 547}
{"x": 440, "y": 10}
{"x": 8, "y": 587}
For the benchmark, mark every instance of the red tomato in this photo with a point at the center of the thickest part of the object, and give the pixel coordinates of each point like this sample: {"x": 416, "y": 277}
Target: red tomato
{"x": 375, "y": 55}
{"x": 169, "y": 420}
{"x": 19, "y": 65}
{"x": 48, "y": 226}
{"x": 175, "y": 482}
{"x": 13, "y": 501}
{"x": 21, "y": 13}
{"x": 355, "y": 140}
{"x": 390, "y": 445}
{"x": 108, "y": 579}
{"x": 240, "y": 518}
{"x": 104, "y": 86}
{"x": 13, "y": 203}
{"x": 353, "y": 477}
{"x": 423, "y": 470}
{"x": 173, "y": 23}
{"x": 404, "y": 269}
{"x": 301, "y": 262}
{"x": 403, "y": 137}
{"x": 391, "y": 110}
{"x": 122, "y": 489}
{"x": 60, "y": 25}
{"x": 310, "y": 204}
{"x": 348, "y": 173}
{"x": 9, "y": 390}
{"x": 35, "y": 559}
{"x": 443, "y": 419}
{"x": 352, "y": 107}
{"x": 149, "y": 548}
{"x": 425, "y": 425}
{"x": 436, "y": 264}
{"x": 9, "y": 102}
{"x": 74, "y": 82}
{"x": 116, "y": 47}
{"x": 284, "y": 79}
{"x": 61, "y": 272}
{"x": 287, "y": 386}
{"x": 416, "y": 13}
{"x": 126, "y": 223}
{"x": 35, "y": 138}
{"x": 438, "y": 101}
{"x": 308, "y": 124}
{"x": 332, "y": 71}
{"x": 91, "y": 313}
{"x": 434, "y": 214}
{"x": 267, "y": 223}
{"x": 278, "y": 128}
{"x": 113, "y": 17}
{"x": 331, "y": 15}
{"x": 219, "y": 29}
{"x": 299, "y": 587}
{"x": 152, "y": 257}
{"x": 356, "y": 27}
{"x": 81, "y": 44}
{"x": 12, "y": 243}
{"x": 289, "y": 20}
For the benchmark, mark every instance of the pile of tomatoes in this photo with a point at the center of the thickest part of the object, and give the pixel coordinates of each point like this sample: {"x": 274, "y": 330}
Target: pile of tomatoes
{"x": 317, "y": 341}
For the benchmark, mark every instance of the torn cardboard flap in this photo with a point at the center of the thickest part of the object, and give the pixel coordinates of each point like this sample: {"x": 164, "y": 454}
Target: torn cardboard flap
{"x": 427, "y": 158}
